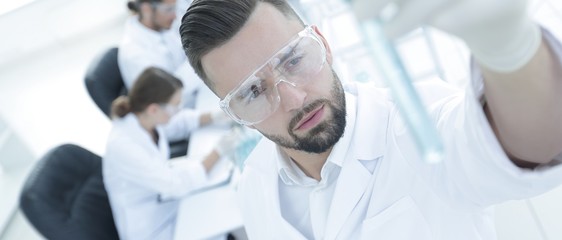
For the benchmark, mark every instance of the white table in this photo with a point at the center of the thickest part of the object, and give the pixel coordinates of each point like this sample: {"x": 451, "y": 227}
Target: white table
{"x": 208, "y": 214}
{"x": 212, "y": 213}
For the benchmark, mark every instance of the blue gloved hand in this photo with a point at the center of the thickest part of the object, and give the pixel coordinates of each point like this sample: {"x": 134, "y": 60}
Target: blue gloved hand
{"x": 226, "y": 147}
{"x": 238, "y": 144}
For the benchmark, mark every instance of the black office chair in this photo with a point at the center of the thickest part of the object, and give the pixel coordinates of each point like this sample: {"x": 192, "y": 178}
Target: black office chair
{"x": 104, "y": 83}
{"x": 64, "y": 196}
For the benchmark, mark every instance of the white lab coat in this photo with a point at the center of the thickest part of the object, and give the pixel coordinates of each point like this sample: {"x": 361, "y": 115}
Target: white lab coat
{"x": 142, "y": 47}
{"x": 141, "y": 184}
{"x": 182, "y": 124}
{"x": 403, "y": 198}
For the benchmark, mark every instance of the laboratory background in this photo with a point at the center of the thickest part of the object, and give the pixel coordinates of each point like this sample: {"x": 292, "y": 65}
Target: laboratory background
{"x": 47, "y": 47}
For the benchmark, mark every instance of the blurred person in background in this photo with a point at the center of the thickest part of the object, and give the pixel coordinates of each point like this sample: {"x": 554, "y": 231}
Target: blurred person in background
{"x": 150, "y": 41}
{"x": 142, "y": 185}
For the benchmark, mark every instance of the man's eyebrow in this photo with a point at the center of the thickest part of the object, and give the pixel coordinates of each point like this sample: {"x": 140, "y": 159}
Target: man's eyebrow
{"x": 289, "y": 53}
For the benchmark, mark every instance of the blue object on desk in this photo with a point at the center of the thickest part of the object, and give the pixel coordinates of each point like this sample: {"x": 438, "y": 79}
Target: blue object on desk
{"x": 406, "y": 98}
{"x": 249, "y": 140}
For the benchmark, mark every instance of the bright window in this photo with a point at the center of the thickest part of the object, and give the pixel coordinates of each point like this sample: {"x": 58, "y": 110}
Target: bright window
{"x": 7, "y": 6}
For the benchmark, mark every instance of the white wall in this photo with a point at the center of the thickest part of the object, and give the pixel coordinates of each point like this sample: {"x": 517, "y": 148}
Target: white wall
{"x": 44, "y": 23}
{"x": 44, "y": 59}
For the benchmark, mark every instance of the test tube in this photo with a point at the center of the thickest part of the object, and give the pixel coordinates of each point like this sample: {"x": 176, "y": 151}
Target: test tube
{"x": 406, "y": 98}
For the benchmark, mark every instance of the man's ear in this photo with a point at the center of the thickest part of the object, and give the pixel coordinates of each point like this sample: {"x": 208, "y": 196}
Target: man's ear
{"x": 329, "y": 57}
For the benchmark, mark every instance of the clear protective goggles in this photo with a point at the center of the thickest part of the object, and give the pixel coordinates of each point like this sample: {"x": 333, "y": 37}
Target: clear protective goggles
{"x": 257, "y": 97}
{"x": 171, "y": 110}
{"x": 165, "y": 7}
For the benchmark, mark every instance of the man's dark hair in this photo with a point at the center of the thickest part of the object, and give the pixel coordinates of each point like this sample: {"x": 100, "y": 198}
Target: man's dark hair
{"x": 208, "y": 24}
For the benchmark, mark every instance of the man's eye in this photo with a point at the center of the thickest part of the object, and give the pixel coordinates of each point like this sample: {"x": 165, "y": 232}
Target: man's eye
{"x": 255, "y": 91}
{"x": 250, "y": 93}
{"x": 294, "y": 62}
{"x": 293, "y": 65}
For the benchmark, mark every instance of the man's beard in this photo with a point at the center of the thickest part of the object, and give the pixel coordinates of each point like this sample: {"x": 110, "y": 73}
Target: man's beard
{"x": 324, "y": 135}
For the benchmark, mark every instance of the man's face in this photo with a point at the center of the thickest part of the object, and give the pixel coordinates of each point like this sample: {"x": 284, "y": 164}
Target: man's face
{"x": 163, "y": 14}
{"x": 310, "y": 117}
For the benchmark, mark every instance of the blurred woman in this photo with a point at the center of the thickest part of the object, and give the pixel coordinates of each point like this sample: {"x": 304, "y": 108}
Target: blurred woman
{"x": 143, "y": 188}
{"x": 151, "y": 40}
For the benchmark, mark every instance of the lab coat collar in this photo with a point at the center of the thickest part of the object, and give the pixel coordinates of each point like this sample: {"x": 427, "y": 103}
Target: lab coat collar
{"x": 290, "y": 173}
{"x": 132, "y": 126}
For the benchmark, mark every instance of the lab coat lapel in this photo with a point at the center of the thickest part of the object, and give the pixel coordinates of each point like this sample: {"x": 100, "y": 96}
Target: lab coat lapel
{"x": 284, "y": 230}
{"x": 368, "y": 144}
{"x": 350, "y": 188}
{"x": 273, "y": 226}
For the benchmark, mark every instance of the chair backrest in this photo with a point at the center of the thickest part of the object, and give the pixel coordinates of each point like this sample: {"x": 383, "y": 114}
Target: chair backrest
{"x": 104, "y": 81}
{"x": 64, "y": 196}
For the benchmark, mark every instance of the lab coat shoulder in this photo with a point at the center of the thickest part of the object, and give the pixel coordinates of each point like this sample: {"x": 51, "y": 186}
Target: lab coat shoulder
{"x": 136, "y": 51}
{"x": 373, "y": 106}
{"x": 378, "y": 118}
{"x": 400, "y": 196}
{"x": 125, "y": 133}
{"x": 259, "y": 168}
{"x": 132, "y": 60}
{"x": 257, "y": 191}
{"x": 262, "y": 158}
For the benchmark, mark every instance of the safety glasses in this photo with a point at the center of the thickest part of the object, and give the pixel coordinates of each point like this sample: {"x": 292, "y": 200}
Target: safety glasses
{"x": 257, "y": 96}
{"x": 164, "y": 7}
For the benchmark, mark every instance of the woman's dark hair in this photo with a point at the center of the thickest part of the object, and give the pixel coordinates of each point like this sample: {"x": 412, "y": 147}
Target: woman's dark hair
{"x": 154, "y": 85}
{"x": 208, "y": 24}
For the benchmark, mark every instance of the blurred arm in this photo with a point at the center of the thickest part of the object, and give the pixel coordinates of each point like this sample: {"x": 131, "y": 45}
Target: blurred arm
{"x": 524, "y": 107}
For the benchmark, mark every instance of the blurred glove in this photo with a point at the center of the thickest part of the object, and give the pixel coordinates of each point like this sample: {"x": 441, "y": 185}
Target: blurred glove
{"x": 221, "y": 118}
{"x": 226, "y": 147}
{"x": 499, "y": 33}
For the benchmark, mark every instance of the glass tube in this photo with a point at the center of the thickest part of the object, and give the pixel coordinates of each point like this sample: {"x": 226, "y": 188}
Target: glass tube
{"x": 406, "y": 98}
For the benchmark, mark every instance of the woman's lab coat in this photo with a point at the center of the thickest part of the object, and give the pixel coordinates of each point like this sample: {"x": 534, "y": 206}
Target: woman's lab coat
{"x": 141, "y": 48}
{"x": 140, "y": 183}
{"x": 402, "y": 198}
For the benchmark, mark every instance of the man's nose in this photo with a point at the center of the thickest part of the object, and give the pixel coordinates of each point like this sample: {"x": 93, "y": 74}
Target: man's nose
{"x": 292, "y": 97}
